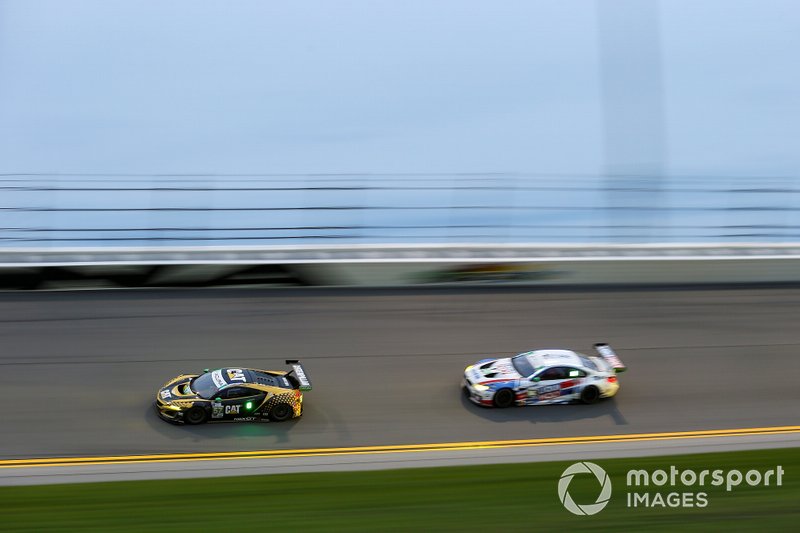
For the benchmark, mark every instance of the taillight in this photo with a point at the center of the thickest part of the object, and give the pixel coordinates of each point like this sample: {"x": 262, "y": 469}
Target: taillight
{"x": 612, "y": 379}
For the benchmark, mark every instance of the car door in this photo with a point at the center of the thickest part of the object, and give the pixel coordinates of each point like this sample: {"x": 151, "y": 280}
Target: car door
{"x": 240, "y": 401}
{"x": 573, "y": 384}
{"x": 546, "y": 385}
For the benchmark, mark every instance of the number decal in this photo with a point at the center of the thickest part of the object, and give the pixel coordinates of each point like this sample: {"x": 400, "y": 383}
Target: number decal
{"x": 236, "y": 374}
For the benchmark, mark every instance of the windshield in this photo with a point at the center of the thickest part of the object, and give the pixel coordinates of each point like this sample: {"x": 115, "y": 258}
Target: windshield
{"x": 207, "y": 385}
{"x": 522, "y": 365}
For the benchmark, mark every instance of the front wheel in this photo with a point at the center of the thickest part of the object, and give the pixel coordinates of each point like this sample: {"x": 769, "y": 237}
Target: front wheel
{"x": 504, "y": 398}
{"x": 195, "y": 415}
{"x": 590, "y": 394}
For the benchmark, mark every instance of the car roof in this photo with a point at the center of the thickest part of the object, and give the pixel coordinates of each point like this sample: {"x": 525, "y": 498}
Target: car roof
{"x": 543, "y": 358}
{"x": 255, "y": 377}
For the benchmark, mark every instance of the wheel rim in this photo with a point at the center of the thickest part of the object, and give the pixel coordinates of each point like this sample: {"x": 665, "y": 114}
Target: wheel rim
{"x": 281, "y": 411}
{"x": 195, "y": 416}
{"x": 591, "y": 394}
{"x": 504, "y": 398}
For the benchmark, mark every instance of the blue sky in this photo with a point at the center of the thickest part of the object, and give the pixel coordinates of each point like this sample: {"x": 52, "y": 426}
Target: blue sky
{"x": 376, "y": 86}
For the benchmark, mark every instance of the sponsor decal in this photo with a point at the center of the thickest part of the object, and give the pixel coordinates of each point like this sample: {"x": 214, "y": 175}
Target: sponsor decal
{"x": 236, "y": 374}
{"x": 545, "y": 392}
{"x": 165, "y": 394}
{"x": 504, "y": 368}
{"x": 549, "y": 395}
{"x": 216, "y": 410}
{"x": 219, "y": 381}
{"x": 232, "y": 409}
{"x": 301, "y": 375}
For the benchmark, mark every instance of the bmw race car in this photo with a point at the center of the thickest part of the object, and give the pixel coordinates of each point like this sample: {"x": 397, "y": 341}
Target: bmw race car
{"x": 544, "y": 377}
{"x": 239, "y": 394}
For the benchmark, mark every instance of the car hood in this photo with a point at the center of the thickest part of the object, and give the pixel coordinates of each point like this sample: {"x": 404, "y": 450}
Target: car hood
{"x": 492, "y": 371}
{"x": 177, "y": 389}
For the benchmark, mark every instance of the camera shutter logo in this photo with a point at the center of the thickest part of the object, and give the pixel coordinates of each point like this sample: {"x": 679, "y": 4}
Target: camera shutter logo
{"x": 584, "y": 468}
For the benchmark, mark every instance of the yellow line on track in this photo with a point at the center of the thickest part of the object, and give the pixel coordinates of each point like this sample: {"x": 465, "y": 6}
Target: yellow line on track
{"x": 400, "y": 448}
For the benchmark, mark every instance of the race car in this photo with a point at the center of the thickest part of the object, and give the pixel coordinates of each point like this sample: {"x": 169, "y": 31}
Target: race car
{"x": 542, "y": 377}
{"x": 238, "y": 394}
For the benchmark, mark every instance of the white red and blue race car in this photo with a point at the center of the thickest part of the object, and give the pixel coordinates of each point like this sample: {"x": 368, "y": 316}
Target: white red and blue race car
{"x": 544, "y": 377}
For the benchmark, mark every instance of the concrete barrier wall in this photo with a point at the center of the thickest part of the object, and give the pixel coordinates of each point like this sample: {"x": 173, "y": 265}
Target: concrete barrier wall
{"x": 556, "y": 272}
{"x": 394, "y": 266}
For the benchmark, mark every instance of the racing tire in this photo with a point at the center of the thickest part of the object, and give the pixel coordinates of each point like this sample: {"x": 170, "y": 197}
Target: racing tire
{"x": 195, "y": 415}
{"x": 590, "y": 394}
{"x": 503, "y": 398}
{"x": 281, "y": 412}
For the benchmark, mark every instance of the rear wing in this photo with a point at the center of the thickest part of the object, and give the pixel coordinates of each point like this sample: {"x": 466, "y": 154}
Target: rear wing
{"x": 610, "y": 357}
{"x": 300, "y": 373}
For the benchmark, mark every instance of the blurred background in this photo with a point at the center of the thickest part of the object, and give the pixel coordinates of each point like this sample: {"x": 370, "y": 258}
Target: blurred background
{"x": 638, "y": 157}
{"x": 258, "y": 123}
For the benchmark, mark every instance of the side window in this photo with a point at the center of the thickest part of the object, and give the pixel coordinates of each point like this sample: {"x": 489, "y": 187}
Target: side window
{"x": 237, "y": 392}
{"x": 575, "y": 373}
{"x": 550, "y": 374}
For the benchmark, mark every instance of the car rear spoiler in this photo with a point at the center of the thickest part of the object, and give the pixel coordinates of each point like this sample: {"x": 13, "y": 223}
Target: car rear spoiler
{"x": 300, "y": 374}
{"x": 610, "y": 356}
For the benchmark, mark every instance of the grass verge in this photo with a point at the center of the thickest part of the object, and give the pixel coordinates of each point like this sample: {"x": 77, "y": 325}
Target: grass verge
{"x": 515, "y": 497}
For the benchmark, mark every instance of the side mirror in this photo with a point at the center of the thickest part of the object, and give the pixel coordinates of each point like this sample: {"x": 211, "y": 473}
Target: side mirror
{"x": 217, "y": 399}
{"x": 205, "y": 371}
{"x": 537, "y": 379}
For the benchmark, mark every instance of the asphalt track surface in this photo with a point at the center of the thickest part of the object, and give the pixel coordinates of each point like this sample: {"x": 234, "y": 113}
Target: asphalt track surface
{"x": 79, "y": 370}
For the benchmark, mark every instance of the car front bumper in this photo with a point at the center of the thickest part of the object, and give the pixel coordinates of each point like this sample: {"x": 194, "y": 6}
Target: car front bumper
{"x": 475, "y": 396}
{"x": 170, "y": 415}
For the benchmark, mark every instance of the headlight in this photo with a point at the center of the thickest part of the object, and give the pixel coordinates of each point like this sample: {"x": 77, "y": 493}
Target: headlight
{"x": 467, "y": 369}
{"x": 480, "y": 388}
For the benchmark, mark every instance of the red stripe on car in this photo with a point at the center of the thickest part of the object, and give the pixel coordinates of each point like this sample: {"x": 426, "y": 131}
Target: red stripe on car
{"x": 495, "y": 381}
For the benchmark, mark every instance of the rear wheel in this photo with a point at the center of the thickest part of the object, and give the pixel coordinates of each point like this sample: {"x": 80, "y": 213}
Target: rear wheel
{"x": 504, "y": 398}
{"x": 281, "y": 412}
{"x": 590, "y": 394}
{"x": 195, "y": 415}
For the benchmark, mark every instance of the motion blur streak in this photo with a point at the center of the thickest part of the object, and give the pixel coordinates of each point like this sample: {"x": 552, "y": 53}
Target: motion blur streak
{"x": 84, "y": 366}
{"x": 446, "y": 446}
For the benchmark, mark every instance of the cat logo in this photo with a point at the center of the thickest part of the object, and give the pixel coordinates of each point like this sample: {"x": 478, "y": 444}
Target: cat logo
{"x": 232, "y": 409}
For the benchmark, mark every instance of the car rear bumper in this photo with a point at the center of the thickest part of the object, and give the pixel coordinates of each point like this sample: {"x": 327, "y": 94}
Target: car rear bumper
{"x": 610, "y": 389}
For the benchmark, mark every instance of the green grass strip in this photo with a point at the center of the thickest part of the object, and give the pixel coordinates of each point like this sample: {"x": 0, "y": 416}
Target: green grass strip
{"x": 513, "y": 497}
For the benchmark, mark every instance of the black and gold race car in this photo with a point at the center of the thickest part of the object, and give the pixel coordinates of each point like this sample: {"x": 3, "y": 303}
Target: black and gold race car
{"x": 239, "y": 394}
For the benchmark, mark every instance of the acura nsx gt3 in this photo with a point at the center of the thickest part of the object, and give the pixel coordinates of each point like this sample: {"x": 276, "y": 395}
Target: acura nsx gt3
{"x": 238, "y": 394}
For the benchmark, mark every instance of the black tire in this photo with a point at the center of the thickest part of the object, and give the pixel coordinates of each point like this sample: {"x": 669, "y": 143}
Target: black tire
{"x": 503, "y": 398}
{"x": 195, "y": 415}
{"x": 590, "y": 394}
{"x": 281, "y": 412}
